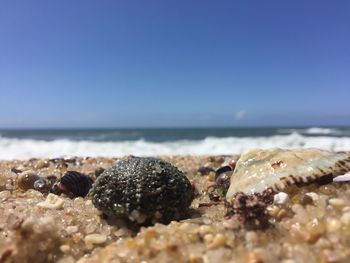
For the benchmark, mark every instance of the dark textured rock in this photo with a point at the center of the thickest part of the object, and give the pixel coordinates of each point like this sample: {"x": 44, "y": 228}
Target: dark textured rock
{"x": 145, "y": 190}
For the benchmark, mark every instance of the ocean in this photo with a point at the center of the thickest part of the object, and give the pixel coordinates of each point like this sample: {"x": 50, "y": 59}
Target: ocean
{"x": 50, "y": 143}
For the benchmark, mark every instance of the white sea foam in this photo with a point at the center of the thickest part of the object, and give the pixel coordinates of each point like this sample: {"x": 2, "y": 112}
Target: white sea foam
{"x": 27, "y": 148}
{"x": 316, "y": 131}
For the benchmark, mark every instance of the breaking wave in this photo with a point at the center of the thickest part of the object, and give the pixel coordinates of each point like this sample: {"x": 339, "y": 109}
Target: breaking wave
{"x": 11, "y": 148}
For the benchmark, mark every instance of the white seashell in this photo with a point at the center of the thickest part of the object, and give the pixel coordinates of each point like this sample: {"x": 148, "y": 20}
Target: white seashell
{"x": 342, "y": 178}
{"x": 52, "y": 202}
{"x": 258, "y": 170}
{"x": 95, "y": 239}
{"x": 280, "y": 198}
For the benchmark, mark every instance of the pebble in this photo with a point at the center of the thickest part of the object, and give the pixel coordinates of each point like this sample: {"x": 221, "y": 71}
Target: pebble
{"x": 273, "y": 210}
{"x": 65, "y": 248}
{"x": 95, "y": 239}
{"x": 42, "y": 164}
{"x": 78, "y": 201}
{"x": 306, "y": 200}
{"x": 218, "y": 241}
{"x": 336, "y": 202}
{"x": 20, "y": 169}
{"x": 297, "y": 208}
{"x": 72, "y": 229}
{"x": 280, "y": 198}
{"x": 88, "y": 202}
{"x": 313, "y": 195}
{"x": 231, "y": 224}
{"x": 281, "y": 214}
{"x": 251, "y": 237}
{"x": 208, "y": 238}
{"x": 333, "y": 225}
{"x": 288, "y": 261}
{"x": 345, "y": 219}
{"x": 90, "y": 226}
{"x": 52, "y": 202}
{"x": 346, "y": 209}
{"x": 204, "y": 229}
{"x": 315, "y": 227}
{"x": 4, "y": 195}
{"x": 67, "y": 259}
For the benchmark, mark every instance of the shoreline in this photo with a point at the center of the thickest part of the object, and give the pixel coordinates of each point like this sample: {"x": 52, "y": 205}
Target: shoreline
{"x": 313, "y": 227}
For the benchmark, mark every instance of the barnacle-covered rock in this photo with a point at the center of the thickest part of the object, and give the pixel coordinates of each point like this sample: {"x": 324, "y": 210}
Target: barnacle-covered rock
{"x": 145, "y": 190}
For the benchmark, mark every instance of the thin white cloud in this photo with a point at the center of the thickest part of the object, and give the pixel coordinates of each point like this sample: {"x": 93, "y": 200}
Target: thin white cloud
{"x": 239, "y": 115}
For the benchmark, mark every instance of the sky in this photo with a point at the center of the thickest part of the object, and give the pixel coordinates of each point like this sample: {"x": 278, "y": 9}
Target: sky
{"x": 180, "y": 63}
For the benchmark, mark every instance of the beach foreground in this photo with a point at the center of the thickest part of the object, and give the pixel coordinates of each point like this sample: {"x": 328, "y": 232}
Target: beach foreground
{"x": 313, "y": 226}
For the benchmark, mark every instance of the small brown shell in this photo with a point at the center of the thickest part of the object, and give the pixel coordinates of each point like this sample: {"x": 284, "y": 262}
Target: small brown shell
{"x": 25, "y": 181}
{"x": 30, "y": 180}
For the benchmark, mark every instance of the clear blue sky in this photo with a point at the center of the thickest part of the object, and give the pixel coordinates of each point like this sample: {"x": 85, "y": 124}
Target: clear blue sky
{"x": 174, "y": 63}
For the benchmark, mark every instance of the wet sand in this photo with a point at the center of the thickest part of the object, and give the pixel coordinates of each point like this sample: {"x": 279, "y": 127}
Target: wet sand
{"x": 312, "y": 226}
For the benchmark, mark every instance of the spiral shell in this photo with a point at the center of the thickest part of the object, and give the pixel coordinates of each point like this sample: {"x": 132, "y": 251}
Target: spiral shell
{"x": 73, "y": 184}
{"x": 30, "y": 180}
{"x": 26, "y": 181}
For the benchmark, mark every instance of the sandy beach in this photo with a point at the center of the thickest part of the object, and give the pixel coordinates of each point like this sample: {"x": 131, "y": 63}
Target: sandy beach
{"x": 313, "y": 226}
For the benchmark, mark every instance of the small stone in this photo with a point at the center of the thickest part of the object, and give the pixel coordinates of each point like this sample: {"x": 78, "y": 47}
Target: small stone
{"x": 149, "y": 234}
{"x": 67, "y": 259}
{"x": 315, "y": 228}
{"x": 330, "y": 256}
{"x": 95, "y": 239}
{"x": 273, "y": 210}
{"x": 208, "y": 238}
{"x": 20, "y": 169}
{"x": 251, "y": 237}
{"x": 88, "y": 202}
{"x": 204, "y": 229}
{"x": 288, "y": 261}
{"x": 90, "y": 226}
{"x": 231, "y": 224}
{"x": 122, "y": 232}
{"x": 327, "y": 189}
{"x": 281, "y": 214}
{"x": 346, "y": 209}
{"x": 205, "y": 170}
{"x": 52, "y": 202}
{"x": 78, "y": 201}
{"x": 296, "y": 208}
{"x": 313, "y": 195}
{"x": 42, "y": 164}
{"x": 4, "y": 195}
{"x": 333, "y": 225}
{"x": 184, "y": 226}
{"x": 280, "y": 198}
{"x": 65, "y": 248}
{"x": 211, "y": 177}
{"x": 306, "y": 200}
{"x": 218, "y": 241}
{"x": 72, "y": 229}
{"x": 345, "y": 219}
{"x": 336, "y": 202}
{"x": 256, "y": 256}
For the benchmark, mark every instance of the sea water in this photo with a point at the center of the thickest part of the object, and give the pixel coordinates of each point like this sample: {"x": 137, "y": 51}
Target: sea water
{"x": 50, "y": 143}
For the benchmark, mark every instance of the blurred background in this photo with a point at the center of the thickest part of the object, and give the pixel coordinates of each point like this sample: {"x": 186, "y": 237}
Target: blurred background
{"x": 110, "y": 78}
